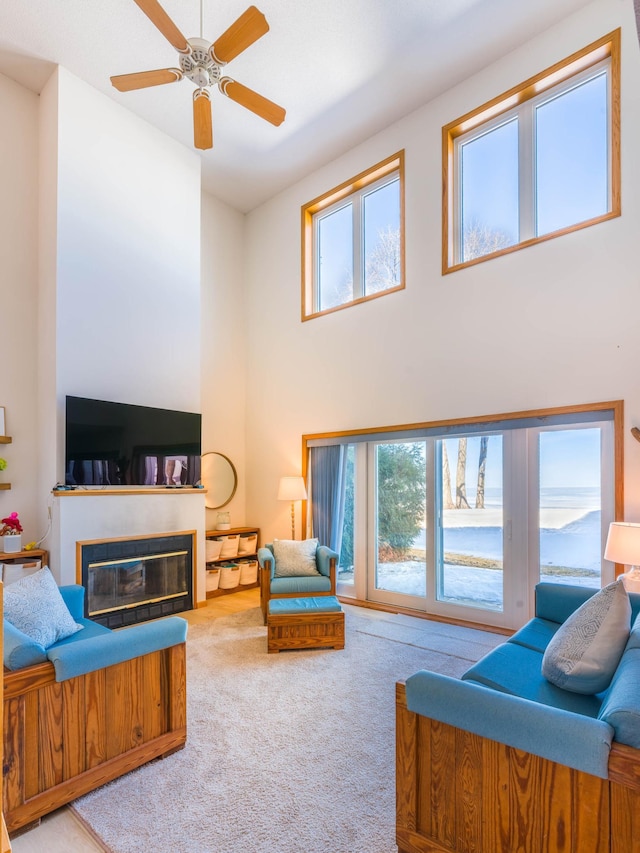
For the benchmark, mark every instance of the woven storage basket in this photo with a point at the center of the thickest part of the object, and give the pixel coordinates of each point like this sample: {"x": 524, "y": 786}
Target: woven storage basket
{"x": 213, "y": 579}
{"x": 248, "y": 571}
{"x": 229, "y": 547}
{"x": 248, "y": 544}
{"x": 213, "y": 547}
{"x": 229, "y": 576}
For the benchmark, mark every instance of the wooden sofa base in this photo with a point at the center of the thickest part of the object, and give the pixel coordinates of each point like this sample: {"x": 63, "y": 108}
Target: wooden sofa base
{"x": 457, "y": 792}
{"x": 64, "y": 739}
{"x": 305, "y": 631}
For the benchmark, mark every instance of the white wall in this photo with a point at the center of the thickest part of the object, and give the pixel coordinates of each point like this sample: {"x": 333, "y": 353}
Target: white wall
{"x": 551, "y": 325}
{"x": 128, "y": 288}
{"x": 224, "y": 345}
{"x": 82, "y": 516}
{"x": 119, "y": 281}
{"x": 18, "y": 302}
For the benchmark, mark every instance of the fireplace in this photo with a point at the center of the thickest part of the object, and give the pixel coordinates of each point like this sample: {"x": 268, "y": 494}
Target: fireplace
{"x": 134, "y": 580}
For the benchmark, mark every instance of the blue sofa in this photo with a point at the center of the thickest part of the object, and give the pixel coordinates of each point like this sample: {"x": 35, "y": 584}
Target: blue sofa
{"x": 502, "y": 760}
{"x": 87, "y": 709}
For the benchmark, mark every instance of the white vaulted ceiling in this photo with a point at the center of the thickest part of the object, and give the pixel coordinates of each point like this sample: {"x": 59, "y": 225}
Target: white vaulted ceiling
{"x": 343, "y": 69}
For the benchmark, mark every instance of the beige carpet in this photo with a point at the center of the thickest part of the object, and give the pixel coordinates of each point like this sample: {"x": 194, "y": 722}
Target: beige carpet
{"x": 288, "y": 753}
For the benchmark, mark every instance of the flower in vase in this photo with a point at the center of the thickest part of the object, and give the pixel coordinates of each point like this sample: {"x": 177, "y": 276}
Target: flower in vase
{"x": 10, "y": 524}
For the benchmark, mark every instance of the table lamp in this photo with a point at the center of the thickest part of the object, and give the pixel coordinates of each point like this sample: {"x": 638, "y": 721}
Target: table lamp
{"x": 292, "y": 489}
{"x": 623, "y": 546}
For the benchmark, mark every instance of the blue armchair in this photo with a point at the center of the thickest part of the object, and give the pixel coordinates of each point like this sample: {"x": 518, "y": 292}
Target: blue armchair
{"x": 272, "y": 586}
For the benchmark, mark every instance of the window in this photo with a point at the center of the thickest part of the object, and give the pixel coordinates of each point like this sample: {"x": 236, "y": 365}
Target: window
{"x": 539, "y": 161}
{"x": 463, "y": 519}
{"x": 353, "y": 240}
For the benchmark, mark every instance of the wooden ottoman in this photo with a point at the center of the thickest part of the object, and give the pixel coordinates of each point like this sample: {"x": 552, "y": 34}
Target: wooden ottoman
{"x": 305, "y": 623}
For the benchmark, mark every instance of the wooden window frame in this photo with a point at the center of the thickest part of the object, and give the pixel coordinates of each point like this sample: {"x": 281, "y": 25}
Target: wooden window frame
{"x": 353, "y": 186}
{"x": 616, "y": 407}
{"x": 608, "y": 47}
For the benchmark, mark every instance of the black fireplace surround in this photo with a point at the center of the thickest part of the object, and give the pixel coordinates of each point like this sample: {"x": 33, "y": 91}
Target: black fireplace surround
{"x": 137, "y": 579}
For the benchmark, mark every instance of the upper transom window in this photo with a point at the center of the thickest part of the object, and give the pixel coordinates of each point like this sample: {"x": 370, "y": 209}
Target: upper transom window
{"x": 353, "y": 240}
{"x": 539, "y": 161}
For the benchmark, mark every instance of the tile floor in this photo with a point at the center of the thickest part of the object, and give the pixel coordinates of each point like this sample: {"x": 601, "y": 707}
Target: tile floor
{"x": 61, "y": 831}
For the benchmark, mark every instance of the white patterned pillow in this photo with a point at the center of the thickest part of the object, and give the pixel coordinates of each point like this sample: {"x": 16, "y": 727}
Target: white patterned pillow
{"x": 294, "y": 558}
{"x": 35, "y": 606}
{"x": 585, "y": 652}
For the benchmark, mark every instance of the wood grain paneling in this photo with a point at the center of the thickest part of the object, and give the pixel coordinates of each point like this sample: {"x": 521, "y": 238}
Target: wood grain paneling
{"x": 474, "y": 795}
{"x": 64, "y": 739}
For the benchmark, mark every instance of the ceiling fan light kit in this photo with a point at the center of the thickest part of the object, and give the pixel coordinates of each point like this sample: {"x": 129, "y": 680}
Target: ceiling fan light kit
{"x": 201, "y": 62}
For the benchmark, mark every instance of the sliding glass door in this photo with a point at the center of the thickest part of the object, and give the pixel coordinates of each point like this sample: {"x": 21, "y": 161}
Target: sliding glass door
{"x": 397, "y": 552}
{"x": 470, "y": 522}
{"x": 463, "y": 523}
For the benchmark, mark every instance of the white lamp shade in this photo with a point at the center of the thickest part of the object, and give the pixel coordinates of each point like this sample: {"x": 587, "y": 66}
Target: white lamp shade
{"x": 292, "y": 489}
{"x": 623, "y": 543}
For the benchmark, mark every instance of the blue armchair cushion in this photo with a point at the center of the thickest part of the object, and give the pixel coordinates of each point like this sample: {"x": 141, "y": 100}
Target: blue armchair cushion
{"x": 20, "y": 650}
{"x": 295, "y": 558}
{"x": 584, "y": 653}
{"x": 34, "y": 605}
{"x": 103, "y": 650}
{"x": 634, "y": 636}
{"x": 621, "y": 708}
{"x": 515, "y": 669}
{"x": 553, "y": 733}
{"x": 536, "y": 634}
{"x": 318, "y": 583}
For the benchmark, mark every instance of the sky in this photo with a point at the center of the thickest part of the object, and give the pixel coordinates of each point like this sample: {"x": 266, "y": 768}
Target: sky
{"x": 568, "y": 458}
{"x": 381, "y": 210}
{"x": 571, "y": 165}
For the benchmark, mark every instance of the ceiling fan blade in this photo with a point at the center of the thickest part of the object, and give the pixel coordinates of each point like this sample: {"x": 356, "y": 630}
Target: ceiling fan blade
{"x": 202, "y": 125}
{"x": 143, "y": 79}
{"x": 252, "y": 101}
{"x": 249, "y": 27}
{"x": 156, "y": 14}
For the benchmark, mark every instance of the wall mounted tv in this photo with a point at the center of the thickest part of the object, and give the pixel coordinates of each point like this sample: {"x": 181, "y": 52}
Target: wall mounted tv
{"x": 119, "y": 444}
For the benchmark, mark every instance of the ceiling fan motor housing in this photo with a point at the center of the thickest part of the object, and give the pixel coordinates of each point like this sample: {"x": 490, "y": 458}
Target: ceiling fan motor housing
{"x": 198, "y": 65}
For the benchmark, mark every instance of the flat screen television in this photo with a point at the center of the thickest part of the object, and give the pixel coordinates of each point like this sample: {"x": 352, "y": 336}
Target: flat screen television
{"x": 119, "y": 444}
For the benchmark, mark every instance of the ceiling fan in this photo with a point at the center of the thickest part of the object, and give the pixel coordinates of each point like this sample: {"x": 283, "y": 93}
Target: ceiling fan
{"x": 202, "y": 63}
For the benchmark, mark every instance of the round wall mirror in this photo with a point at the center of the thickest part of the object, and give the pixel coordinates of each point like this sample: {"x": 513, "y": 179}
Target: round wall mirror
{"x": 219, "y": 478}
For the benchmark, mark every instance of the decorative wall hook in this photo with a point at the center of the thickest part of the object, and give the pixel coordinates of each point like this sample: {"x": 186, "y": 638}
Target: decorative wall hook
{"x": 635, "y": 432}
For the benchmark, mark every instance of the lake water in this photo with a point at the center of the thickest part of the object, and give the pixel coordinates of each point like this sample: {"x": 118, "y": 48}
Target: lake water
{"x": 577, "y": 544}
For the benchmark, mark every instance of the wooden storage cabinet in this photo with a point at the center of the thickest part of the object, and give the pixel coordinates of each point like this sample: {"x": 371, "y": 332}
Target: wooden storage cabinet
{"x": 217, "y": 564}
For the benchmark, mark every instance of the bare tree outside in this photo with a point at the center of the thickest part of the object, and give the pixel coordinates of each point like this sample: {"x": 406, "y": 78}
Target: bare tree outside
{"x": 446, "y": 479}
{"x": 382, "y": 270}
{"x": 480, "y": 239}
{"x": 482, "y": 465}
{"x": 461, "y": 487}
{"x": 383, "y": 262}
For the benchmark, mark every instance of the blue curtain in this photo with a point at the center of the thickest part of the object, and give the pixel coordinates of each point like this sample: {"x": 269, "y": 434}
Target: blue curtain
{"x": 328, "y": 471}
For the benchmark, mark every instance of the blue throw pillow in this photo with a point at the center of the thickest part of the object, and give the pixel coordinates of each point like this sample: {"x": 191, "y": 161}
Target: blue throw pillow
{"x": 584, "y": 653}
{"x": 35, "y": 606}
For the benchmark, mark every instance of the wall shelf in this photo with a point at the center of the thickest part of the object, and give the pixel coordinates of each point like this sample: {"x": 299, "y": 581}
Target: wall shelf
{"x": 5, "y": 486}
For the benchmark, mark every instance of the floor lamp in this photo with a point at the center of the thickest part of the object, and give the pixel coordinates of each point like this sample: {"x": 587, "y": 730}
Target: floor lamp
{"x": 292, "y": 489}
{"x": 623, "y": 546}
